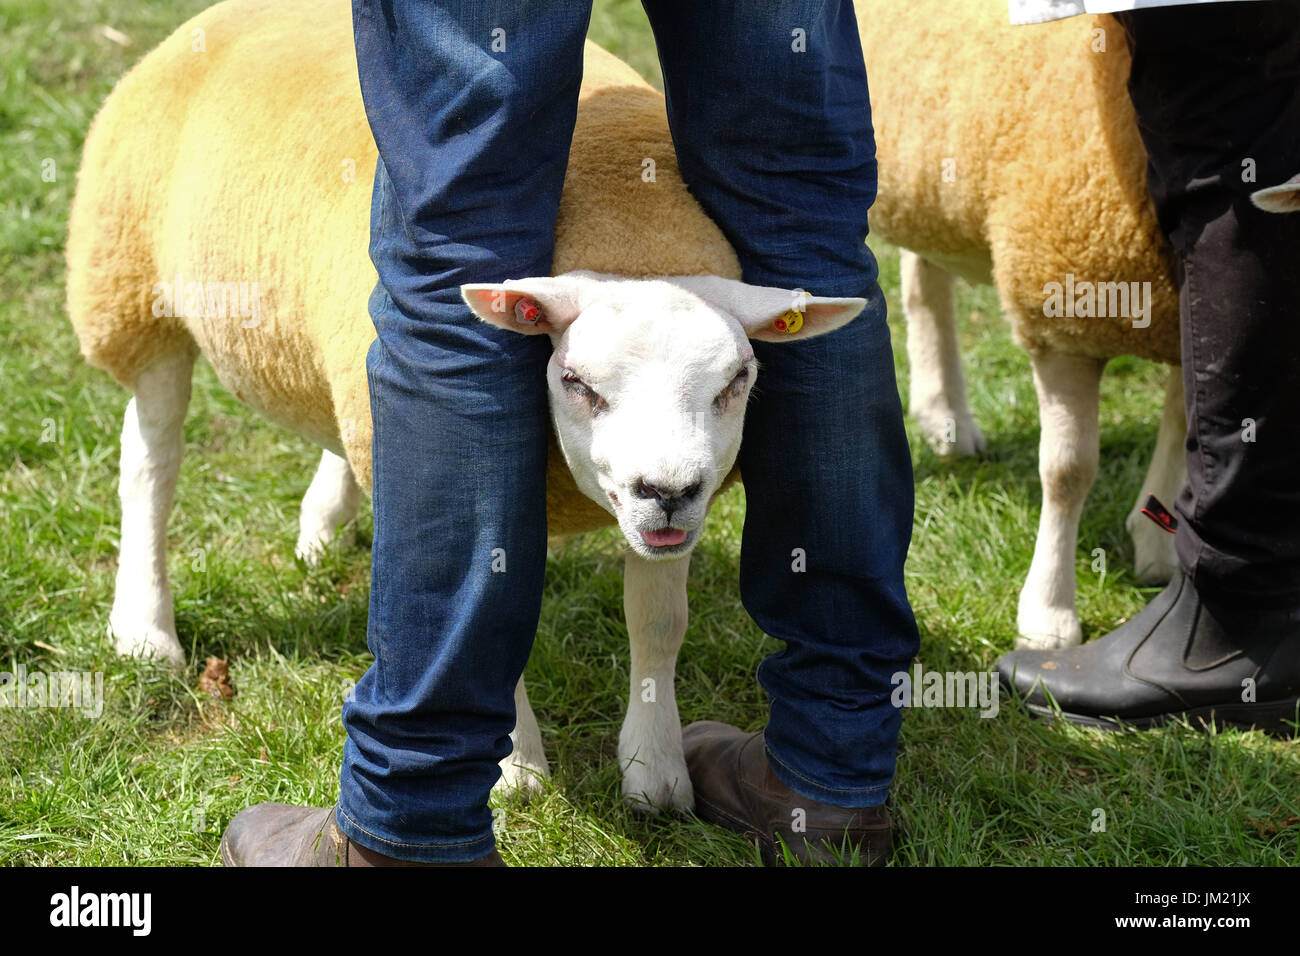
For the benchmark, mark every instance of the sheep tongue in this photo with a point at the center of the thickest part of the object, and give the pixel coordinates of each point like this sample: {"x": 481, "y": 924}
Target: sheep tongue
{"x": 664, "y": 536}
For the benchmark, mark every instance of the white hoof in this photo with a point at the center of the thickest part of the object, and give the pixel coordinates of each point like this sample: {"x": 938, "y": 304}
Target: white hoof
{"x": 1047, "y": 628}
{"x": 147, "y": 641}
{"x": 521, "y": 779}
{"x": 666, "y": 786}
{"x": 948, "y": 433}
{"x": 312, "y": 544}
{"x": 1043, "y": 642}
{"x": 310, "y": 550}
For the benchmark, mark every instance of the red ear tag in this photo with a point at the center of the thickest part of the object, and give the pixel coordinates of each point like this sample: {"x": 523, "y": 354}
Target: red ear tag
{"x": 789, "y": 323}
{"x": 527, "y": 312}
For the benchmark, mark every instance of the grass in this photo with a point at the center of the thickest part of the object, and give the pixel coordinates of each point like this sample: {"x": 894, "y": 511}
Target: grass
{"x": 155, "y": 779}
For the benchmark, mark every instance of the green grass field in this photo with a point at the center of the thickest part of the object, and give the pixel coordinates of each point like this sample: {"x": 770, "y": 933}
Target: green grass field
{"x": 155, "y": 779}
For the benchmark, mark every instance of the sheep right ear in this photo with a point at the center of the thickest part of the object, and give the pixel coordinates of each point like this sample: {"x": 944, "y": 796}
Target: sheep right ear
{"x": 765, "y": 312}
{"x": 1283, "y": 198}
{"x": 539, "y": 306}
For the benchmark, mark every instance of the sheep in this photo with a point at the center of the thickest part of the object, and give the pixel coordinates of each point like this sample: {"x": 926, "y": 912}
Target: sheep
{"x": 223, "y": 208}
{"x": 1010, "y": 155}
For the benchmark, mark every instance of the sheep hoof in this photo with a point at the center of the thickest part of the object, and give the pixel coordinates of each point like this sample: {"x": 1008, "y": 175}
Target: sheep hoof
{"x": 1043, "y": 642}
{"x": 649, "y": 793}
{"x": 309, "y": 550}
{"x": 970, "y": 441}
{"x": 1047, "y": 628}
{"x": 949, "y": 434}
{"x": 311, "y": 545}
{"x": 521, "y": 779}
{"x": 147, "y": 641}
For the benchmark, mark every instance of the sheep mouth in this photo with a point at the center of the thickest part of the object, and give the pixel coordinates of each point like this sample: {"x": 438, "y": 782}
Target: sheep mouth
{"x": 665, "y": 537}
{"x": 673, "y": 543}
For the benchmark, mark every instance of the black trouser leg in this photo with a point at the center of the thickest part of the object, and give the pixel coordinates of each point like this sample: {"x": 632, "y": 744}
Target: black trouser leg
{"x": 1217, "y": 93}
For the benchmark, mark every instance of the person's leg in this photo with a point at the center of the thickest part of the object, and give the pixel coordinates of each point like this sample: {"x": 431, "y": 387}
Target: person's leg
{"x": 1216, "y": 89}
{"x": 771, "y": 119}
{"x": 472, "y": 104}
{"x": 1217, "y": 93}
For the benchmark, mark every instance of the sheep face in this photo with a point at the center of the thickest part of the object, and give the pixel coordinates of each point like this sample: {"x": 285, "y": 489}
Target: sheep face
{"x": 648, "y": 383}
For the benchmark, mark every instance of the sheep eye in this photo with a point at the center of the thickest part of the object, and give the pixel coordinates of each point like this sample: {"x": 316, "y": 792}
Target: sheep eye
{"x": 581, "y": 389}
{"x": 734, "y": 388}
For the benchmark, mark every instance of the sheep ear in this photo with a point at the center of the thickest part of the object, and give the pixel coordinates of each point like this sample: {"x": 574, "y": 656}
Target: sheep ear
{"x": 551, "y": 303}
{"x": 770, "y": 314}
{"x": 1283, "y": 198}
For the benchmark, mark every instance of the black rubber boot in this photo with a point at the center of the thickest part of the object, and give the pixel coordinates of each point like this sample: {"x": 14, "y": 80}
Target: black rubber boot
{"x": 1179, "y": 657}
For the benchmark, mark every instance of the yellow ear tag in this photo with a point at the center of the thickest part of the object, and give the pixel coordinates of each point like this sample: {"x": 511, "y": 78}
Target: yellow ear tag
{"x": 790, "y": 323}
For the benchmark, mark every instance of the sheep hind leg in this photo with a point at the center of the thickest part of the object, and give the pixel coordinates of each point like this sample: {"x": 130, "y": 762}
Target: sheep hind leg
{"x": 142, "y": 621}
{"x": 650, "y": 744}
{"x": 937, "y": 387}
{"x": 332, "y": 499}
{"x": 524, "y": 772}
{"x": 1068, "y": 391}
{"x": 1154, "y": 559}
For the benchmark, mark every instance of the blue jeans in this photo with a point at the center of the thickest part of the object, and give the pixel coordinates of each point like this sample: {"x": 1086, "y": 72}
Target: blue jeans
{"x": 778, "y": 148}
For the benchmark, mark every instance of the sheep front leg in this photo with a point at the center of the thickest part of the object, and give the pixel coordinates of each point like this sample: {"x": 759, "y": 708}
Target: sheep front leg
{"x": 1068, "y": 388}
{"x": 650, "y": 744}
{"x": 1154, "y": 558}
{"x": 332, "y": 498}
{"x": 142, "y": 622}
{"x": 524, "y": 772}
{"x": 937, "y": 388}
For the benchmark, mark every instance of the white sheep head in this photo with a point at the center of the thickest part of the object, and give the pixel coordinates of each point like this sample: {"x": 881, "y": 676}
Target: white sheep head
{"x": 648, "y": 383}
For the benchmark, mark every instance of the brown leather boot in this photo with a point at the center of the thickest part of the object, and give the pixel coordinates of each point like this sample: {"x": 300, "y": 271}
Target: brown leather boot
{"x": 735, "y": 788}
{"x": 277, "y": 834}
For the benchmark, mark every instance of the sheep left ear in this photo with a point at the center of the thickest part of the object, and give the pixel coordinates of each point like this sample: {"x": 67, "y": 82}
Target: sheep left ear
{"x": 771, "y": 314}
{"x": 540, "y": 306}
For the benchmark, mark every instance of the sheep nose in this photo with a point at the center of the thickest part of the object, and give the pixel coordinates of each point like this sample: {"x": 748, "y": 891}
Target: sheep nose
{"x": 670, "y": 499}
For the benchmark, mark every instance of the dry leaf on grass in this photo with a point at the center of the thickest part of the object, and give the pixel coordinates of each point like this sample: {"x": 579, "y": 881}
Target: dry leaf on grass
{"x": 215, "y": 679}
